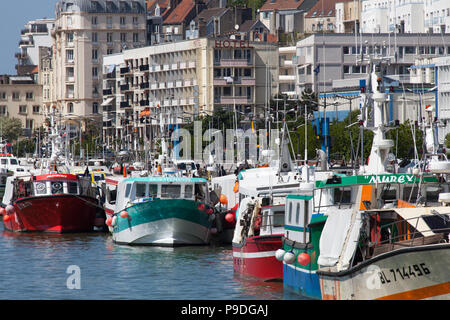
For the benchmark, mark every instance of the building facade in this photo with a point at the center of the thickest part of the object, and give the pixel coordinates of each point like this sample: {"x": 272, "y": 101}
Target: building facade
{"x": 85, "y": 31}
{"x": 175, "y": 82}
{"x": 21, "y": 98}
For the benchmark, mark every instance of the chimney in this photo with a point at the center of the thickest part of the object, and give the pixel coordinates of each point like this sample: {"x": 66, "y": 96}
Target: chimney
{"x": 201, "y": 27}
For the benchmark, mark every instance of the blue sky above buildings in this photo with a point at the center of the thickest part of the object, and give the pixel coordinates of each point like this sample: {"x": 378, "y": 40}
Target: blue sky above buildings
{"x": 14, "y": 14}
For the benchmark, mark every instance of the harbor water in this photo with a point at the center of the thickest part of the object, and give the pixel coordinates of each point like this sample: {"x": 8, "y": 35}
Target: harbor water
{"x": 42, "y": 266}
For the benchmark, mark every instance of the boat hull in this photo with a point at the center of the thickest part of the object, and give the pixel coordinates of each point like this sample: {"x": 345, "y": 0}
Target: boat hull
{"x": 56, "y": 213}
{"x": 406, "y": 274}
{"x": 256, "y": 257}
{"x": 163, "y": 223}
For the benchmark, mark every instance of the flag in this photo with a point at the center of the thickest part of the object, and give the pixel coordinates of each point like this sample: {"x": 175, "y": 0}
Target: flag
{"x": 317, "y": 69}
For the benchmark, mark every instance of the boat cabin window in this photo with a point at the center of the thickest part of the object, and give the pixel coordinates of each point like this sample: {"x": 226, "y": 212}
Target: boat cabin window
{"x": 99, "y": 176}
{"x": 272, "y": 219}
{"x": 170, "y": 191}
{"x": 72, "y": 187}
{"x": 343, "y": 195}
{"x": 200, "y": 191}
{"x": 432, "y": 193}
{"x": 141, "y": 190}
{"x": 410, "y": 194}
{"x": 13, "y": 161}
{"x": 188, "y": 191}
{"x": 4, "y": 161}
{"x": 297, "y": 214}
{"x": 290, "y": 213}
{"x": 127, "y": 190}
{"x": 40, "y": 188}
{"x": 56, "y": 187}
{"x": 153, "y": 190}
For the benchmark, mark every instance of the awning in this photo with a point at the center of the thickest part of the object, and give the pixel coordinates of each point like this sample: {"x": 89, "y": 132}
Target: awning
{"x": 107, "y": 101}
{"x": 144, "y": 113}
{"x": 419, "y": 212}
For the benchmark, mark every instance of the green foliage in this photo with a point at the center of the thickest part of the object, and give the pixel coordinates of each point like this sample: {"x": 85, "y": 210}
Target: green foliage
{"x": 11, "y": 128}
{"x": 404, "y": 144}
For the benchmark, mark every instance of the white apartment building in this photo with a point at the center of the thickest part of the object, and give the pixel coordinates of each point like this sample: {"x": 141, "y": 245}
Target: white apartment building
{"x": 36, "y": 34}
{"x": 85, "y": 31}
{"x": 171, "y": 83}
{"x": 405, "y": 16}
{"x": 442, "y": 69}
{"x": 286, "y": 78}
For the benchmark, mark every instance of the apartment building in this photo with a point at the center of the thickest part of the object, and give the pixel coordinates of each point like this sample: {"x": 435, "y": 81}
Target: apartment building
{"x": 321, "y": 17}
{"x": 405, "y": 16}
{"x": 36, "y": 34}
{"x": 347, "y": 16}
{"x": 286, "y": 78}
{"x": 174, "y": 82}
{"x": 85, "y": 31}
{"x": 21, "y": 97}
{"x": 322, "y": 58}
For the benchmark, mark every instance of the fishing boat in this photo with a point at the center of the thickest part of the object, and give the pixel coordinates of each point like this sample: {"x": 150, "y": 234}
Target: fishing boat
{"x": 49, "y": 199}
{"x": 162, "y": 211}
{"x": 260, "y": 216}
{"x": 54, "y": 202}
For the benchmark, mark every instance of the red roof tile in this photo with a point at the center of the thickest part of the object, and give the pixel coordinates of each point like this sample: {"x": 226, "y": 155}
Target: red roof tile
{"x": 281, "y": 5}
{"x": 323, "y": 8}
{"x": 180, "y": 12}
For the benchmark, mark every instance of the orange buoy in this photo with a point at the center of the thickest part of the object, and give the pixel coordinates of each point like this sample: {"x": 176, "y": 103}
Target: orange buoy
{"x": 123, "y": 214}
{"x": 201, "y": 207}
{"x": 303, "y": 259}
{"x": 223, "y": 199}
{"x": 2, "y": 211}
{"x": 109, "y": 221}
{"x": 6, "y": 218}
{"x": 210, "y": 211}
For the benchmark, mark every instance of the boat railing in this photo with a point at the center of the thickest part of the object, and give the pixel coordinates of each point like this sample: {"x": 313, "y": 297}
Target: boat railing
{"x": 406, "y": 233}
{"x": 269, "y": 222}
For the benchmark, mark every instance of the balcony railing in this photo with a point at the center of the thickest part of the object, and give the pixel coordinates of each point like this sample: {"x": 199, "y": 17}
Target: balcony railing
{"x": 144, "y": 67}
{"x": 107, "y": 92}
{"x": 144, "y": 103}
{"x": 144, "y": 85}
{"x": 124, "y": 104}
{"x": 125, "y": 87}
{"x": 234, "y": 62}
{"x": 124, "y": 70}
{"x": 233, "y": 100}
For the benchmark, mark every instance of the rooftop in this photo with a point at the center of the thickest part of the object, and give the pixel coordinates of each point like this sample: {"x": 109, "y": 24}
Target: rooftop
{"x": 271, "y": 5}
{"x": 179, "y": 14}
{"x": 323, "y": 8}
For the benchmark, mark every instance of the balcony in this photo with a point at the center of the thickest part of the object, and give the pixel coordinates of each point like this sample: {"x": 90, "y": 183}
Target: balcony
{"x": 144, "y": 85}
{"x": 234, "y": 63}
{"x": 144, "y": 67}
{"x": 170, "y": 84}
{"x": 219, "y": 82}
{"x": 174, "y": 66}
{"x": 107, "y": 92}
{"x": 183, "y": 65}
{"x": 154, "y": 86}
{"x": 144, "y": 103}
{"x": 124, "y": 70}
{"x": 235, "y": 100}
{"x": 124, "y": 104}
{"x": 125, "y": 87}
{"x": 248, "y": 81}
{"x": 178, "y": 83}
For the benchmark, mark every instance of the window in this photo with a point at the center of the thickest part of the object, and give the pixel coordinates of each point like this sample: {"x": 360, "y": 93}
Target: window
{"x": 94, "y": 20}
{"x": 70, "y": 107}
{"x": 188, "y": 191}
{"x": 123, "y": 37}
{"x": 22, "y": 109}
{"x": 94, "y": 72}
{"x": 290, "y": 213}
{"x": 127, "y": 190}
{"x": 109, "y": 37}
{"x": 2, "y": 95}
{"x": 3, "y": 110}
{"x": 153, "y": 190}
{"x": 72, "y": 187}
{"x": 16, "y": 95}
{"x": 70, "y": 91}
{"x": 36, "y": 109}
{"x": 29, "y": 95}
{"x": 410, "y": 50}
{"x": 56, "y": 187}
{"x": 297, "y": 214}
{"x": 247, "y": 72}
{"x": 70, "y": 74}
{"x": 135, "y": 37}
{"x": 170, "y": 191}
{"x": 346, "y": 69}
{"x": 109, "y": 22}
{"x": 135, "y": 21}
{"x": 94, "y": 37}
{"x": 69, "y": 55}
{"x": 109, "y": 51}
{"x": 141, "y": 189}
{"x": 70, "y": 38}
{"x": 305, "y": 220}
{"x": 122, "y": 21}
{"x": 40, "y": 188}
{"x": 94, "y": 54}
{"x": 95, "y": 107}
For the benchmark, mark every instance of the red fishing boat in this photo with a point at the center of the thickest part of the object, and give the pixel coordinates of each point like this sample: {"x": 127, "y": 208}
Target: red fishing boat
{"x": 50, "y": 203}
{"x": 257, "y": 237}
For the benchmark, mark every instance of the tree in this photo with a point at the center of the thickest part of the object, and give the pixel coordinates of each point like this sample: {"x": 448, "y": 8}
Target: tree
{"x": 311, "y": 99}
{"x": 11, "y": 128}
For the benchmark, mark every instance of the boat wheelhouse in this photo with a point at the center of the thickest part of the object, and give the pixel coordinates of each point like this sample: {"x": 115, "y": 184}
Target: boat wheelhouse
{"x": 162, "y": 211}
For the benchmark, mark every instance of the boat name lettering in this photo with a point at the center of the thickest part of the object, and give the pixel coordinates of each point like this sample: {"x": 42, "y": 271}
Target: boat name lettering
{"x": 23, "y": 205}
{"x": 390, "y": 179}
{"x": 412, "y": 271}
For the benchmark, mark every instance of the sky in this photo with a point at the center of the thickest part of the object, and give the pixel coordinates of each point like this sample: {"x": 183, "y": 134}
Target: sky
{"x": 14, "y": 14}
